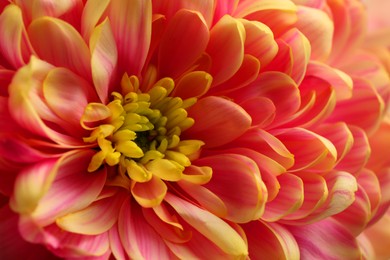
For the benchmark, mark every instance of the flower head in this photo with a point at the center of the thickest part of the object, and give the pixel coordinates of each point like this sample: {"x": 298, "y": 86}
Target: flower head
{"x": 191, "y": 129}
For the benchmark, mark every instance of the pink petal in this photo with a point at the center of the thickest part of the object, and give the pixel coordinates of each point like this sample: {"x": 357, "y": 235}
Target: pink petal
{"x": 131, "y": 25}
{"x": 211, "y": 124}
{"x": 14, "y": 46}
{"x": 12, "y": 245}
{"x": 29, "y": 109}
{"x": 325, "y": 240}
{"x": 96, "y": 218}
{"x": 104, "y": 58}
{"x": 369, "y": 182}
{"x": 67, "y": 95}
{"x": 139, "y": 239}
{"x": 283, "y": 61}
{"x": 262, "y": 111}
{"x": 5, "y": 79}
{"x": 242, "y": 205}
{"x": 170, "y": 8}
{"x": 91, "y": 16}
{"x": 276, "y": 241}
{"x": 267, "y": 144}
{"x": 260, "y": 42}
{"x": 219, "y": 232}
{"x": 246, "y": 74}
{"x": 289, "y": 198}
{"x": 57, "y": 42}
{"x": 339, "y": 135}
{"x": 300, "y": 53}
{"x": 277, "y": 14}
{"x": 379, "y": 143}
{"x": 72, "y": 189}
{"x": 183, "y": 42}
{"x": 116, "y": 244}
{"x": 226, "y": 48}
{"x": 222, "y": 8}
{"x": 358, "y": 154}
{"x": 311, "y": 151}
{"x": 317, "y": 26}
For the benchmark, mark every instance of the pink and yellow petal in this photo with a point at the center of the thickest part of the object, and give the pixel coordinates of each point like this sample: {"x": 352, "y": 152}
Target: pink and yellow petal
{"x": 190, "y": 33}
{"x": 149, "y": 194}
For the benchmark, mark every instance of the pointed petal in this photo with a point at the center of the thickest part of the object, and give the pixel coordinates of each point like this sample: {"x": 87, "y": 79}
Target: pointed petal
{"x": 226, "y": 48}
{"x": 212, "y": 227}
{"x": 193, "y": 84}
{"x": 57, "y": 42}
{"x": 104, "y": 58}
{"x": 211, "y": 124}
{"x": 131, "y": 25}
{"x": 92, "y": 13}
{"x": 276, "y": 241}
{"x": 183, "y": 42}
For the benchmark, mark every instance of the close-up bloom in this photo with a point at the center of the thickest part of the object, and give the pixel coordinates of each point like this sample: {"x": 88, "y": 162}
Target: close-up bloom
{"x": 194, "y": 129}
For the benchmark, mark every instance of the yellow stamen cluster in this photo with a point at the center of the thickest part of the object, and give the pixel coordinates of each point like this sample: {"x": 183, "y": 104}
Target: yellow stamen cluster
{"x": 140, "y": 132}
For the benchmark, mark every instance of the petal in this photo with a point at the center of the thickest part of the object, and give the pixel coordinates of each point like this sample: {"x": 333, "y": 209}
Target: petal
{"x": 262, "y": 111}
{"x": 314, "y": 243}
{"x": 149, "y": 194}
{"x": 57, "y": 42}
{"x": 212, "y": 126}
{"x": 317, "y": 26}
{"x": 104, "y": 58}
{"x": 170, "y": 8}
{"x": 359, "y": 153}
{"x": 32, "y": 184}
{"x": 226, "y": 48}
{"x": 239, "y": 173}
{"x": 277, "y": 14}
{"x": 95, "y": 219}
{"x": 311, "y": 151}
{"x": 289, "y": 198}
{"x": 380, "y": 143}
{"x": 260, "y": 42}
{"x": 67, "y": 95}
{"x": 212, "y": 227}
{"x": 193, "y": 84}
{"x": 276, "y": 241}
{"x": 183, "y": 42}
{"x": 72, "y": 189}
{"x": 139, "y": 240}
{"x": 14, "y": 46}
{"x": 12, "y": 244}
{"x": 131, "y": 25}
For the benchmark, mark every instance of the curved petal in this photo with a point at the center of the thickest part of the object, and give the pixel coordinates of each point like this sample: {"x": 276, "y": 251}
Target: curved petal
{"x": 212, "y": 227}
{"x": 131, "y": 23}
{"x": 182, "y": 43}
{"x": 211, "y": 124}
{"x": 139, "y": 240}
{"x": 226, "y": 48}
{"x": 193, "y": 84}
{"x": 380, "y": 143}
{"x": 277, "y": 14}
{"x": 149, "y": 194}
{"x": 104, "y": 58}
{"x": 238, "y": 173}
{"x": 270, "y": 241}
{"x": 96, "y": 218}
{"x": 317, "y": 26}
{"x": 14, "y": 45}
{"x": 314, "y": 243}
{"x": 57, "y": 42}
{"x": 311, "y": 151}
{"x": 288, "y": 200}
{"x": 67, "y": 95}
{"x": 71, "y": 189}
{"x": 261, "y": 109}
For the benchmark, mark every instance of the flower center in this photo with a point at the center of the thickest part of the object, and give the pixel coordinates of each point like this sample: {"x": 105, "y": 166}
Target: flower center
{"x": 140, "y": 132}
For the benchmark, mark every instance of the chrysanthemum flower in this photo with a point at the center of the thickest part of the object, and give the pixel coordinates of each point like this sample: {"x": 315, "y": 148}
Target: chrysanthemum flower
{"x": 189, "y": 129}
